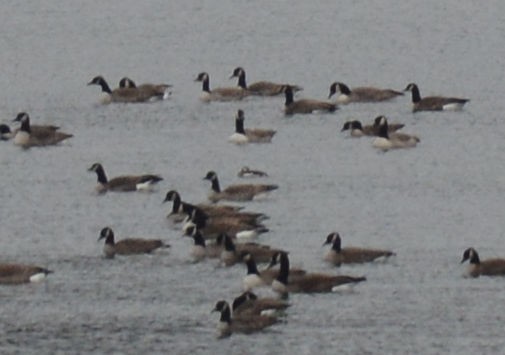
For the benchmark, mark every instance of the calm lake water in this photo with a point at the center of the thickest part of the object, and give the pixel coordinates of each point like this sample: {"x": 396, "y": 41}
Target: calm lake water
{"x": 427, "y": 204}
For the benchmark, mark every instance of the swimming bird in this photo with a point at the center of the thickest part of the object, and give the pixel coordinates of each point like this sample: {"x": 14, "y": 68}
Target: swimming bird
{"x": 358, "y": 130}
{"x": 305, "y": 105}
{"x": 386, "y": 141}
{"x": 249, "y": 303}
{"x": 40, "y": 136}
{"x": 201, "y": 249}
{"x": 255, "y": 278}
{"x": 309, "y": 283}
{"x": 181, "y": 209}
{"x": 242, "y": 324}
{"x": 249, "y": 135}
{"x": 361, "y": 94}
{"x": 245, "y": 171}
{"x": 433, "y": 103}
{"x": 153, "y": 91}
{"x": 489, "y": 267}
{"x": 128, "y": 246}
{"x": 12, "y": 274}
{"x": 219, "y": 94}
{"x": 212, "y": 227}
{"x": 5, "y": 132}
{"x": 232, "y": 253}
{"x": 261, "y": 88}
{"x": 123, "y": 183}
{"x": 125, "y": 95}
{"x": 240, "y": 192}
{"x": 351, "y": 255}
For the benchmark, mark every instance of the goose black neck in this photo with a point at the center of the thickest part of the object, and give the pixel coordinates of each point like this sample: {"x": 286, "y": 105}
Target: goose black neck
{"x": 383, "y": 130}
{"x": 198, "y": 238}
{"x": 337, "y": 245}
{"x": 241, "y": 80}
{"x": 25, "y": 125}
{"x": 187, "y": 208}
{"x": 176, "y": 204}
{"x": 344, "y": 89}
{"x": 475, "y": 258}
{"x": 252, "y": 268}
{"x": 206, "y": 85}
{"x": 109, "y": 240}
{"x": 237, "y": 302}
{"x": 226, "y": 314}
{"x": 357, "y": 125}
{"x": 416, "y": 96}
{"x": 199, "y": 218}
{"x": 105, "y": 86}
{"x": 288, "y": 93}
{"x": 284, "y": 269}
{"x": 239, "y": 126}
{"x": 228, "y": 244}
{"x": 215, "y": 185}
{"x": 100, "y": 173}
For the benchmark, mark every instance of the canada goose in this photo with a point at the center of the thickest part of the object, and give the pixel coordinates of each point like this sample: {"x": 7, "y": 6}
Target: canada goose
{"x": 386, "y": 141}
{"x": 219, "y": 94}
{"x": 433, "y": 103}
{"x": 361, "y": 94}
{"x": 309, "y": 283}
{"x": 249, "y": 303}
{"x": 255, "y": 278}
{"x": 358, "y": 130}
{"x": 40, "y": 136}
{"x": 180, "y": 209}
{"x": 243, "y": 324}
{"x": 249, "y": 135}
{"x": 350, "y": 255}
{"x": 125, "y": 95}
{"x": 233, "y": 253}
{"x": 212, "y": 227}
{"x": 153, "y": 91}
{"x": 245, "y": 171}
{"x": 201, "y": 249}
{"x": 5, "y": 132}
{"x": 241, "y": 192}
{"x": 489, "y": 267}
{"x": 261, "y": 88}
{"x": 11, "y": 274}
{"x": 128, "y": 246}
{"x": 123, "y": 183}
{"x": 305, "y": 105}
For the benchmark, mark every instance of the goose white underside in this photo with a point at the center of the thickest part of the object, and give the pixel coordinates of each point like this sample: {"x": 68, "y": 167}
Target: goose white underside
{"x": 343, "y": 99}
{"x": 455, "y": 106}
{"x": 251, "y": 281}
{"x": 357, "y": 133}
{"x": 198, "y": 253}
{"x": 246, "y": 235}
{"x": 105, "y": 99}
{"x": 278, "y": 286}
{"x": 147, "y": 186}
{"x": 345, "y": 288}
{"x": 238, "y": 138}
{"x": 382, "y": 143}
{"x": 262, "y": 196}
{"x": 39, "y": 277}
{"x": 21, "y": 138}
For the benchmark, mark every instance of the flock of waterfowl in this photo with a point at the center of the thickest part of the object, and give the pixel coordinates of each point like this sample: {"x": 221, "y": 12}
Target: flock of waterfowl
{"x": 225, "y": 231}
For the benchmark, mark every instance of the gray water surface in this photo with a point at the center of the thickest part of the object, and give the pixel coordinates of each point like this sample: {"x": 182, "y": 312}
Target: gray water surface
{"x": 427, "y": 204}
